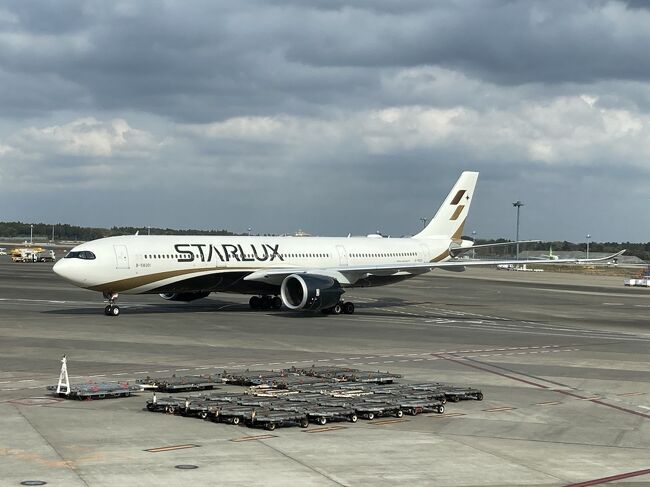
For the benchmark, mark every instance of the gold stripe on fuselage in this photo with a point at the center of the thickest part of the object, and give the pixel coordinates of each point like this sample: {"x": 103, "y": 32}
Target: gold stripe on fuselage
{"x": 134, "y": 282}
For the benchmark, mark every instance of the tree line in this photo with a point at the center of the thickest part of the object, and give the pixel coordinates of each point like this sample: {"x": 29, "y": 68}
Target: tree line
{"x": 63, "y": 231}
{"x": 640, "y": 250}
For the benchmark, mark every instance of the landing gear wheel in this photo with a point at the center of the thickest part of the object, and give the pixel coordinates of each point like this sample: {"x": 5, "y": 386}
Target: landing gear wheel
{"x": 112, "y": 309}
{"x": 276, "y": 302}
{"x": 255, "y": 302}
{"x": 267, "y": 302}
{"x": 348, "y": 308}
{"x": 337, "y": 309}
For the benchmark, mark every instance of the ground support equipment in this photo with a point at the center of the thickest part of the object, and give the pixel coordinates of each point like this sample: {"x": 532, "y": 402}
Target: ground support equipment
{"x": 97, "y": 390}
{"x": 182, "y": 383}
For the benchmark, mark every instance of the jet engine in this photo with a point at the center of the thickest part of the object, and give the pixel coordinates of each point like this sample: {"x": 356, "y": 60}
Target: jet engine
{"x": 310, "y": 292}
{"x": 184, "y": 296}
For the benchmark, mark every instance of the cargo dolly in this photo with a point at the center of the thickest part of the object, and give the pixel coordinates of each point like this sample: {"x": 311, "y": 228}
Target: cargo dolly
{"x": 90, "y": 390}
{"x": 181, "y": 384}
{"x": 169, "y": 404}
{"x": 322, "y": 414}
{"x": 270, "y": 419}
{"x": 455, "y": 394}
{"x": 95, "y": 390}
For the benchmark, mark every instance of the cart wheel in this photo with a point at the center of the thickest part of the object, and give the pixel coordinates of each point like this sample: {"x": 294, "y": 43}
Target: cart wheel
{"x": 353, "y": 418}
{"x": 479, "y": 396}
{"x": 370, "y": 416}
{"x": 235, "y": 420}
{"x": 399, "y": 413}
{"x": 304, "y": 422}
{"x": 322, "y": 420}
{"x": 203, "y": 414}
{"x": 151, "y": 407}
{"x": 441, "y": 409}
{"x": 455, "y": 398}
{"x": 412, "y": 412}
{"x": 270, "y": 426}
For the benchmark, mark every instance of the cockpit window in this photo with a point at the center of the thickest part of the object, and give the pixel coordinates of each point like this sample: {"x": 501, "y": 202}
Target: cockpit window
{"x": 83, "y": 254}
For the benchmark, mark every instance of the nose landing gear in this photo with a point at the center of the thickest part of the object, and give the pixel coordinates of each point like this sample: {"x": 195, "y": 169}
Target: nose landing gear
{"x": 112, "y": 309}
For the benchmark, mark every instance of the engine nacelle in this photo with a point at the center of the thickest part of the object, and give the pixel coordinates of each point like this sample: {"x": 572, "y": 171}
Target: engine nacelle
{"x": 310, "y": 292}
{"x": 187, "y": 297}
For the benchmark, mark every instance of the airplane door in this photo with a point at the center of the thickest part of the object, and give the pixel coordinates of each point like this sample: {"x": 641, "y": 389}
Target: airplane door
{"x": 424, "y": 253}
{"x": 121, "y": 257}
{"x": 343, "y": 255}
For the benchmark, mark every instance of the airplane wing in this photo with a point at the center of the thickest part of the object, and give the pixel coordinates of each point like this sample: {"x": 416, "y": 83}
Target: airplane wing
{"x": 460, "y": 250}
{"x": 351, "y": 274}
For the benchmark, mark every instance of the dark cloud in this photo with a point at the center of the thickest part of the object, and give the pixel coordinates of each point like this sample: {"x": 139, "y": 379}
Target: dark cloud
{"x": 331, "y": 116}
{"x": 207, "y": 60}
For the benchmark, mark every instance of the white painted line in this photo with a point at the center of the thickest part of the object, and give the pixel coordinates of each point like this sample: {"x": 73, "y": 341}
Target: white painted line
{"x": 182, "y": 370}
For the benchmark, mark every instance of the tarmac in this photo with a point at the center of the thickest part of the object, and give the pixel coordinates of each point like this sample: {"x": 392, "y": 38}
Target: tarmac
{"x": 563, "y": 361}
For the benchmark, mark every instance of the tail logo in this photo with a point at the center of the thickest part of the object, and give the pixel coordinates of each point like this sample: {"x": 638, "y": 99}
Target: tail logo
{"x": 454, "y": 202}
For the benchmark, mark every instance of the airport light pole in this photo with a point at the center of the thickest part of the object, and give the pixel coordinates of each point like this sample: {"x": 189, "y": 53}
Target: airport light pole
{"x": 588, "y": 237}
{"x": 424, "y": 222}
{"x": 517, "y": 204}
{"x": 31, "y": 234}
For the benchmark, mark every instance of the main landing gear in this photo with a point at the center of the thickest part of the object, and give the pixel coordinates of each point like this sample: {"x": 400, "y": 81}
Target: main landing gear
{"x": 112, "y": 309}
{"x": 343, "y": 307}
{"x": 265, "y": 302}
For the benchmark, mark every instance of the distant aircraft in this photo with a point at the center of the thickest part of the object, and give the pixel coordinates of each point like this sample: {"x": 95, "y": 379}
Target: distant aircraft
{"x": 306, "y": 273}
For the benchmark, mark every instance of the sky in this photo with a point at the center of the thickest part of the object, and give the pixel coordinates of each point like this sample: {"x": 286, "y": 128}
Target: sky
{"x": 327, "y": 116}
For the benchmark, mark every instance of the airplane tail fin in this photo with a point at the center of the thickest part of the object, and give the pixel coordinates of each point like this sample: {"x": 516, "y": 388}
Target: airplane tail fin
{"x": 451, "y": 216}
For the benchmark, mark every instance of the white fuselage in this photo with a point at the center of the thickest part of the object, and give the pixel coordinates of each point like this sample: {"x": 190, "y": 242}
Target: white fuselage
{"x": 156, "y": 264}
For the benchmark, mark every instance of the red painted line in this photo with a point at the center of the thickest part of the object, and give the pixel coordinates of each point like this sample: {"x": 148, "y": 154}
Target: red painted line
{"x": 613, "y": 478}
{"x": 493, "y": 371}
{"x": 542, "y": 386}
{"x": 596, "y": 401}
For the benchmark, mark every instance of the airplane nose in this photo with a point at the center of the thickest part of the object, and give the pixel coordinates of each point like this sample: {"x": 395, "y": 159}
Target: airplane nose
{"x": 59, "y": 269}
{"x": 65, "y": 269}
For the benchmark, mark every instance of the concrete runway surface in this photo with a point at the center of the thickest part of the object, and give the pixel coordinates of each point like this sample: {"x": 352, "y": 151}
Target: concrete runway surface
{"x": 563, "y": 361}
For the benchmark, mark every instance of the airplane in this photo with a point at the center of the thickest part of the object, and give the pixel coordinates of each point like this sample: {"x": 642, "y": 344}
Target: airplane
{"x": 303, "y": 274}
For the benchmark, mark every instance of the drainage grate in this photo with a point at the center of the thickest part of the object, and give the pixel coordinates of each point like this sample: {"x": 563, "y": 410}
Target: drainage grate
{"x": 186, "y": 466}
{"x": 33, "y": 482}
